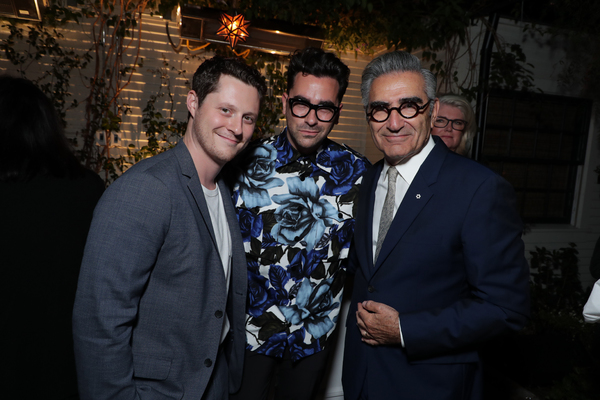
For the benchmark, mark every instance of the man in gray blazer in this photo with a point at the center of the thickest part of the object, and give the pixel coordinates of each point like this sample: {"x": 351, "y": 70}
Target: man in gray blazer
{"x": 159, "y": 311}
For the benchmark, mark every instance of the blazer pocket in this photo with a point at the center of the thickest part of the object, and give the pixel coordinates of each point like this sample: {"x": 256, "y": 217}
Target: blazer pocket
{"x": 458, "y": 358}
{"x": 148, "y": 367}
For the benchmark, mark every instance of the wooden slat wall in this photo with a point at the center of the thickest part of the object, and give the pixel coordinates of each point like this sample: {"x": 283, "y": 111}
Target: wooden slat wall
{"x": 351, "y": 130}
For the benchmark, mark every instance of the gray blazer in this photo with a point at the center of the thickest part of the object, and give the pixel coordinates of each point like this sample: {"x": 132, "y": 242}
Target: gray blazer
{"x": 151, "y": 296}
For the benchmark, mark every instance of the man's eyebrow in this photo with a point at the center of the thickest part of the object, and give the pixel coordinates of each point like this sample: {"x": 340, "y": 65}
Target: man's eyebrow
{"x": 374, "y": 104}
{"x": 326, "y": 103}
{"x": 413, "y": 99}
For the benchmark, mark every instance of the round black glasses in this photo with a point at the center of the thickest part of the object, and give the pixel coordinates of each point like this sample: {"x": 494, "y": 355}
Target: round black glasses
{"x": 408, "y": 110}
{"x": 457, "y": 124}
{"x": 301, "y": 108}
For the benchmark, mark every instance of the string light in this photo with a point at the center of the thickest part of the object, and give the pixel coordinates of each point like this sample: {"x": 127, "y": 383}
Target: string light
{"x": 233, "y": 28}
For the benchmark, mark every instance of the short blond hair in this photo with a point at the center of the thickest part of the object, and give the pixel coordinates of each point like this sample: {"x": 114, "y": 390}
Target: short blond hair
{"x": 470, "y": 131}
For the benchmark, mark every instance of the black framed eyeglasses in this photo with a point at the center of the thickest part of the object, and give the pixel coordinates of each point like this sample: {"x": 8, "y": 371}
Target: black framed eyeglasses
{"x": 301, "y": 108}
{"x": 407, "y": 110}
{"x": 457, "y": 124}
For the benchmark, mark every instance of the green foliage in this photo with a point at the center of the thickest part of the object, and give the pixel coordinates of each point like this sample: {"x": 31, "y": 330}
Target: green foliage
{"x": 101, "y": 67}
{"x": 510, "y": 69}
{"x": 162, "y": 132}
{"x": 576, "y": 23}
{"x": 363, "y": 25}
{"x": 568, "y": 370}
{"x": 441, "y": 28}
{"x": 556, "y": 356}
{"x": 271, "y": 110}
{"x": 555, "y": 288}
{"x": 43, "y": 45}
{"x": 113, "y": 36}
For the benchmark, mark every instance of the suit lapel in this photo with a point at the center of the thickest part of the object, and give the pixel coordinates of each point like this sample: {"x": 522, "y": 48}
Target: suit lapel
{"x": 418, "y": 195}
{"x": 192, "y": 182}
{"x": 238, "y": 261}
{"x": 364, "y": 247}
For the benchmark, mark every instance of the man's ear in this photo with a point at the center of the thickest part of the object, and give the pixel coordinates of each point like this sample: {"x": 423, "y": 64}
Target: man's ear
{"x": 337, "y": 117}
{"x": 192, "y": 102}
{"x": 435, "y": 109}
{"x": 284, "y": 102}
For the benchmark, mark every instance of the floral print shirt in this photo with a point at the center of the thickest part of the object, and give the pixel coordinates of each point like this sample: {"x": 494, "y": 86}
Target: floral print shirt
{"x": 296, "y": 215}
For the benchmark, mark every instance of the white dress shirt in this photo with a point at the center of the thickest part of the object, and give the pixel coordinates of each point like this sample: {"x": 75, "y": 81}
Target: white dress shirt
{"x": 406, "y": 174}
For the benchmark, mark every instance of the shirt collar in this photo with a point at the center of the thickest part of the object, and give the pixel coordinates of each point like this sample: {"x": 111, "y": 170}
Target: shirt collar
{"x": 287, "y": 154}
{"x": 409, "y": 169}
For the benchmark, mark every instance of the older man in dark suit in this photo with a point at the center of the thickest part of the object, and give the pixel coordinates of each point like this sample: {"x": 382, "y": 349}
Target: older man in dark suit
{"x": 159, "y": 311}
{"x": 438, "y": 257}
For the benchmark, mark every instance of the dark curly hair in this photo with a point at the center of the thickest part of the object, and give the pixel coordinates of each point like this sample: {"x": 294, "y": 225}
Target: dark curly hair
{"x": 316, "y": 62}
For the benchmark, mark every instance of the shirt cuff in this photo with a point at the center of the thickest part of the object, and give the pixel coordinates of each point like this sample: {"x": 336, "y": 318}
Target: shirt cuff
{"x": 401, "y": 337}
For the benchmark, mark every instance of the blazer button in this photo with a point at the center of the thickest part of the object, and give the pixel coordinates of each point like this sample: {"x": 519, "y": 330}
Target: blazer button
{"x": 371, "y": 288}
{"x": 208, "y": 362}
{"x": 218, "y": 313}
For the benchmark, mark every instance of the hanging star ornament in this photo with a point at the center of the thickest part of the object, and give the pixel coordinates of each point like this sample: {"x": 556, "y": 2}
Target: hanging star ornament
{"x": 233, "y": 28}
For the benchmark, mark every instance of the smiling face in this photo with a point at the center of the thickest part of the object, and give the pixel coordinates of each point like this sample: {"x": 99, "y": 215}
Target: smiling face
{"x": 306, "y": 134}
{"x": 449, "y": 135}
{"x": 223, "y": 124}
{"x": 400, "y": 138}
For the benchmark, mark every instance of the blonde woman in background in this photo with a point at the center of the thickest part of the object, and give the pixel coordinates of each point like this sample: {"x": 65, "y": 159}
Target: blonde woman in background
{"x": 455, "y": 124}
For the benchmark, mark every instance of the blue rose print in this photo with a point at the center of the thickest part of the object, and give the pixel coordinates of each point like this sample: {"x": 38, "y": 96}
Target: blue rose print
{"x": 285, "y": 151}
{"x": 303, "y": 264}
{"x": 345, "y": 169}
{"x": 251, "y": 225}
{"x": 302, "y": 214}
{"x": 278, "y": 278}
{"x": 267, "y": 241}
{"x": 343, "y": 235}
{"x": 258, "y": 297}
{"x": 258, "y": 177}
{"x": 253, "y": 267}
{"x": 274, "y": 346}
{"x": 299, "y": 349}
{"x": 313, "y": 305}
{"x": 296, "y": 242}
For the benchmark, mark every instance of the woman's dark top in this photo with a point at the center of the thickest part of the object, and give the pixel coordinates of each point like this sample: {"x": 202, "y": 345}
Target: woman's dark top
{"x": 43, "y": 229}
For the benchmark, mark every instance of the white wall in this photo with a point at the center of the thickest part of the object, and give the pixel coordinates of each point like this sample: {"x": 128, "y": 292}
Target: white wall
{"x": 548, "y": 58}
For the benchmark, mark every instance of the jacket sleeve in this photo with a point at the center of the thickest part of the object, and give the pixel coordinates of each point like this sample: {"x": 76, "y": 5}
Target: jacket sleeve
{"x": 497, "y": 274}
{"x": 127, "y": 231}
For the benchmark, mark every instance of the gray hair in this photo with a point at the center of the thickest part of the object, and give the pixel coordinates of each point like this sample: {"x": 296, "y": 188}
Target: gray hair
{"x": 470, "y": 131}
{"x": 396, "y": 61}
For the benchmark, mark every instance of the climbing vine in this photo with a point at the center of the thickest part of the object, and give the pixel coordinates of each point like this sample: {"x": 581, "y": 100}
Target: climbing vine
{"x": 442, "y": 29}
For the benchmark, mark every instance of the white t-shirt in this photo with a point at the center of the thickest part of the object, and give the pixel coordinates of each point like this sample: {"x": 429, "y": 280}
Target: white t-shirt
{"x": 214, "y": 201}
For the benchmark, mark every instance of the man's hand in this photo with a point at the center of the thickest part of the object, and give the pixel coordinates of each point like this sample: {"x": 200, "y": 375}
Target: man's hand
{"x": 378, "y": 323}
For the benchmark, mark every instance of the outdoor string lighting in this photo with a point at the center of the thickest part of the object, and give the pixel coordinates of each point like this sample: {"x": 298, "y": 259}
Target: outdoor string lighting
{"x": 233, "y": 28}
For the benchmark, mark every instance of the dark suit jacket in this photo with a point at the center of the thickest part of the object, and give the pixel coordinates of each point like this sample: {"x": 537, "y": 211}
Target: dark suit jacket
{"x": 151, "y": 297}
{"x": 452, "y": 265}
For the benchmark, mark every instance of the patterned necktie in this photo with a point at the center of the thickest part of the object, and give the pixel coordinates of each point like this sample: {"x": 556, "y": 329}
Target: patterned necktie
{"x": 387, "y": 213}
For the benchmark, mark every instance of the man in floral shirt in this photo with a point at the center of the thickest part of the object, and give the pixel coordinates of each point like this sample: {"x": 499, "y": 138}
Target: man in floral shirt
{"x": 295, "y": 197}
